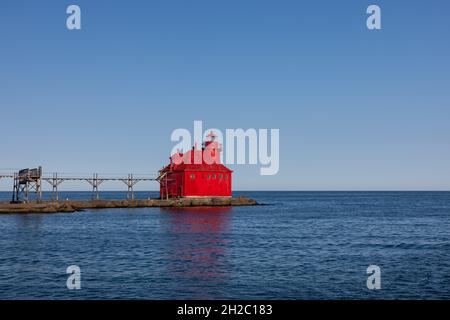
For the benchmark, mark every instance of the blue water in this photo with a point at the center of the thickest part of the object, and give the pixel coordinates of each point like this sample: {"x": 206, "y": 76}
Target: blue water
{"x": 301, "y": 245}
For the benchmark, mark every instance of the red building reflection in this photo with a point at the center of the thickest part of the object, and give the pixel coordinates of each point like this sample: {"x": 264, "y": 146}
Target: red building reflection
{"x": 197, "y": 248}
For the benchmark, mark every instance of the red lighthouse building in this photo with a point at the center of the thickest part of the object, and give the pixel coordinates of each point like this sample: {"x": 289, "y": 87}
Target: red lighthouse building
{"x": 196, "y": 173}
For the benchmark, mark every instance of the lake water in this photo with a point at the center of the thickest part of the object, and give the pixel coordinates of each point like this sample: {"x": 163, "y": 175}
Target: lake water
{"x": 299, "y": 245}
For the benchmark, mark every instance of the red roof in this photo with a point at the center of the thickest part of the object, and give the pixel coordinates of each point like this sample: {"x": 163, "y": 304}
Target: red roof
{"x": 208, "y": 158}
{"x": 217, "y": 167}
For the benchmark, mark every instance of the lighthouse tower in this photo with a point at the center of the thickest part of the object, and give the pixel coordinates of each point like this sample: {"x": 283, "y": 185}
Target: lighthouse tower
{"x": 196, "y": 173}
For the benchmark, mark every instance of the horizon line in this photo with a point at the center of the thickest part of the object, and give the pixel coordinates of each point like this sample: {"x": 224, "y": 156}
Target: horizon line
{"x": 312, "y": 190}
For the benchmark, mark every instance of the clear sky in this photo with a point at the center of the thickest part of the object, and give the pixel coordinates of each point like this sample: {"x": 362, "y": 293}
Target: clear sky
{"x": 356, "y": 109}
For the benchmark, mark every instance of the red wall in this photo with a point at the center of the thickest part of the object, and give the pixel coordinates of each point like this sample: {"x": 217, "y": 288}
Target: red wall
{"x": 174, "y": 184}
{"x": 198, "y": 183}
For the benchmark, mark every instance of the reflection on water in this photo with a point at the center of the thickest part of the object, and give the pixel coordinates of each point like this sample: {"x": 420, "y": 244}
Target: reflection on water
{"x": 304, "y": 245}
{"x": 28, "y": 221}
{"x": 197, "y": 247}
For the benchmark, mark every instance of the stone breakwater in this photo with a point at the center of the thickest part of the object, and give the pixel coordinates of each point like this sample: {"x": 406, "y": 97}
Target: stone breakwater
{"x": 79, "y": 205}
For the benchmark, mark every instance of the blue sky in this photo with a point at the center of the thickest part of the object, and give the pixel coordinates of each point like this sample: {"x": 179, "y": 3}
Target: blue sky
{"x": 356, "y": 109}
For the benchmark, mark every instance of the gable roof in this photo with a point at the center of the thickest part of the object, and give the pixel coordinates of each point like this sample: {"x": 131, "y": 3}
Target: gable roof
{"x": 215, "y": 167}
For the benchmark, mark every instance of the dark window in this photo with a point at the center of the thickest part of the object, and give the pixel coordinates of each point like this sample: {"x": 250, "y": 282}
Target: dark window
{"x": 226, "y": 177}
{"x": 192, "y": 175}
{"x": 220, "y": 176}
{"x": 214, "y": 176}
{"x": 209, "y": 176}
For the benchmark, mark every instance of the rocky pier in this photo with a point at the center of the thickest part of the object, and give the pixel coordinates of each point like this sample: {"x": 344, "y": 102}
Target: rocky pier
{"x": 79, "y": 205}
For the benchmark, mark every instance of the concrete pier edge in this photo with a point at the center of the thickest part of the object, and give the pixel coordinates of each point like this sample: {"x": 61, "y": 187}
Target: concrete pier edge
{"x": 79, "y": 205}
